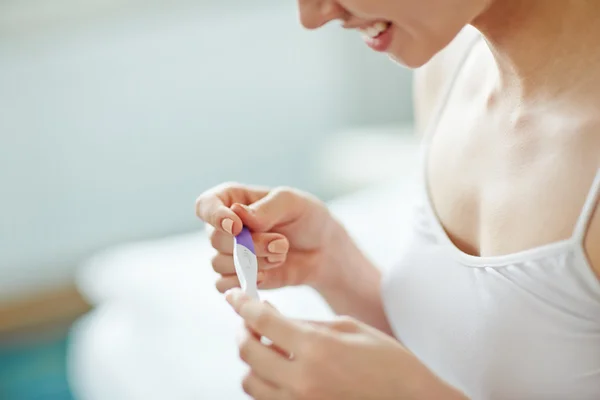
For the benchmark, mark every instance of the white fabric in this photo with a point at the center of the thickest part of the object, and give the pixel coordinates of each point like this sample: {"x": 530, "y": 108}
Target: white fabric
{"x": 160, "y": 329}
{"x": 521, "y": 326}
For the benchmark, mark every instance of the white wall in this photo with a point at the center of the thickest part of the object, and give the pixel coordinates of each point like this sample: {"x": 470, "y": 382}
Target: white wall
{"x": 110, "y": 125}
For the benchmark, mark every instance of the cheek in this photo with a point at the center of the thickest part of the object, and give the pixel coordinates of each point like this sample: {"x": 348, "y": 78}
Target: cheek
{"x": 370, "y": 9}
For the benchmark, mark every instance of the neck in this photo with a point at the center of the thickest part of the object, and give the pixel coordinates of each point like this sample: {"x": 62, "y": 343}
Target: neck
{"x": 543, "y": 47}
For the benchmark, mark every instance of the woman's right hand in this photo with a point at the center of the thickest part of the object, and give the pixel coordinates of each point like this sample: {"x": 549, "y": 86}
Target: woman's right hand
{"x": 292, "y": 232}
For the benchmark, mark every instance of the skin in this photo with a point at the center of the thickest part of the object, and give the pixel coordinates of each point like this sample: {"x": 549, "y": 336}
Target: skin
{"x": 294, "y": 369}
{"x": 421, "y": 28}
{"x": 509, "y": 168}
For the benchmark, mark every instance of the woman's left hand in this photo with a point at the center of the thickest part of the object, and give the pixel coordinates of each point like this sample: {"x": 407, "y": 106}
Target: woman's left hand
{"x": 343, "y": 359}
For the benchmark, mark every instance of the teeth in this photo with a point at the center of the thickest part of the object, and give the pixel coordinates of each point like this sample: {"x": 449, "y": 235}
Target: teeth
{"x": 381, "y": 26}
{"x": 372, "y": 31}
{"x": 375, "y": 30}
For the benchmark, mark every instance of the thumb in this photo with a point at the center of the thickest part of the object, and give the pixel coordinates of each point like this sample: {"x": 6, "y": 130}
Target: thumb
{"x": 278, "y": 207}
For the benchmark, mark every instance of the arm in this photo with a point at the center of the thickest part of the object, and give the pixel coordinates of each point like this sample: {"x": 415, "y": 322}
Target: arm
{"x": 355, "y": 289}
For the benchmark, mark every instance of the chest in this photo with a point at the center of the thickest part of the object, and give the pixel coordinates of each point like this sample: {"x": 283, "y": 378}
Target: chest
{"x": 501, "y": 181}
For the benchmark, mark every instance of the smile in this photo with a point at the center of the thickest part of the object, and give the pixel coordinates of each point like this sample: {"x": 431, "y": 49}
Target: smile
{"x": 378, "y": 36}
{"x": 375, "y": 30}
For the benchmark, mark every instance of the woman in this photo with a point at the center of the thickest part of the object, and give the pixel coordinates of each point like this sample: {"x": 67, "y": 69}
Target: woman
{"x": 498, "y": 295}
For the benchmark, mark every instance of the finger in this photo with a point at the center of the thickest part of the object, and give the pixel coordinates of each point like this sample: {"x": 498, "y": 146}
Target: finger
{"x": 213, "y": 206}
{"x": 265, "y": 244}
{"x": 223, "y": 263}
{"x": 277, "y": 207}
{"x": 264, "y": 361}
{"x": 249, "y": 328}
{"x": 264, "y": 340}
{"x": 212, "y": 211}
{"x": 259, "y": 389}
{"x": 266, "y": 321}
{"x": 222, "y": 242}
{"x": 227, "y": 282}
{"x": 297, "y": 270}
{"x": 266, "y": 303}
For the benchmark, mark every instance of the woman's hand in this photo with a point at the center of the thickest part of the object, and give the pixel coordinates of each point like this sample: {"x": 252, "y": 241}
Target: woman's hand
{"x": 340, "y": 360}
{"x": 292, "y": 232}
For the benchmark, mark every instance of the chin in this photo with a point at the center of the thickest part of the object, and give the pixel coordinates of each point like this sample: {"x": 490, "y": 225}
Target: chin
{"x": 409, "y": 61}
{"x": 412, "y": 54}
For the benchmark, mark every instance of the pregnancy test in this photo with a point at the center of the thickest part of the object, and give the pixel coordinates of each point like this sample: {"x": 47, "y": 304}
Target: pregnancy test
{"x": 246, "y": 264}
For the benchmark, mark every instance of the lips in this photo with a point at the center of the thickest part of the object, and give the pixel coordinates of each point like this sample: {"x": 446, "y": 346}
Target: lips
{"x": 378, "y": 36}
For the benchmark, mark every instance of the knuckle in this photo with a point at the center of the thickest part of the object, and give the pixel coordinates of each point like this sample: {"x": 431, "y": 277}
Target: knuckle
{"x": 215, "y": 262}
{"x": 287, "y": 195}
{"x": 214, "y": 239}
{"x": 224, "y": 187}
{"x": 199, "y": 205}
{"x": 205, "y": 198}
{"x": 247, "y": 384}
{"x": 305, "y": 388}
{"x": 262, "y": 320}
{"x": 308, "y": 21}
{"x": 243, "y": 354}
{"x": 244, "y": 350}
{"x": 284, "y": 192}
{"x": 209, "y": 230}
{"x": 346, "y": 324}
{"x": 229, "y": 185}
{"x": 223, "y": 285}
{"x": 314, "y": 347}
{"x": 346, "y": 319}
{"x": 220, "y": 242}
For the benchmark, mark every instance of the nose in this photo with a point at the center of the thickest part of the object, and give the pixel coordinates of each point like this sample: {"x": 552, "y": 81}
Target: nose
{"x": 316, "y": 13}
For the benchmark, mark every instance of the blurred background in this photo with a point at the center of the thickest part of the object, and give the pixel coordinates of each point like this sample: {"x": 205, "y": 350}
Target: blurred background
{"x": 116, "y": 114}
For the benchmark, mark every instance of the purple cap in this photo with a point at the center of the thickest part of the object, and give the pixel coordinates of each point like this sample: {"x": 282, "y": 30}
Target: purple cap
{"x": 245, "y": 239}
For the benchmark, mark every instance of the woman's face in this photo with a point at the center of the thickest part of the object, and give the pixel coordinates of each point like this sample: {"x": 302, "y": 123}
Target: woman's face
{"x": 411, "y": 31}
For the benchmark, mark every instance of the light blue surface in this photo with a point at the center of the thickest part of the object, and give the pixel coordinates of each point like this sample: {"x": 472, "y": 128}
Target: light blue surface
{"x": 112, "y": 124}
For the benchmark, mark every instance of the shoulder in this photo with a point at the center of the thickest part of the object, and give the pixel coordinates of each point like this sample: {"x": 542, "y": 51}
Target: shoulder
{"x": 432, "y": 80}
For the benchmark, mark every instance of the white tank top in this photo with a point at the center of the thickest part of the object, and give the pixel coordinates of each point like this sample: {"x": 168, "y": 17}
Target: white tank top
{"x": 522, "y": 326}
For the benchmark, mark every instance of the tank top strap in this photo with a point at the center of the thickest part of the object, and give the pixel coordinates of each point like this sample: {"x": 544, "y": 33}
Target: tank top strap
{"x": 590, "y": 205}
{"x": 448, "y": 90}
{"x": 440, "y": 108}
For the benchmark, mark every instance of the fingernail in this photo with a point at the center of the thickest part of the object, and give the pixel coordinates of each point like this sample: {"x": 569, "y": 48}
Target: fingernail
{"x": 227, "y": 225}
{"x": 278, "y": 246}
